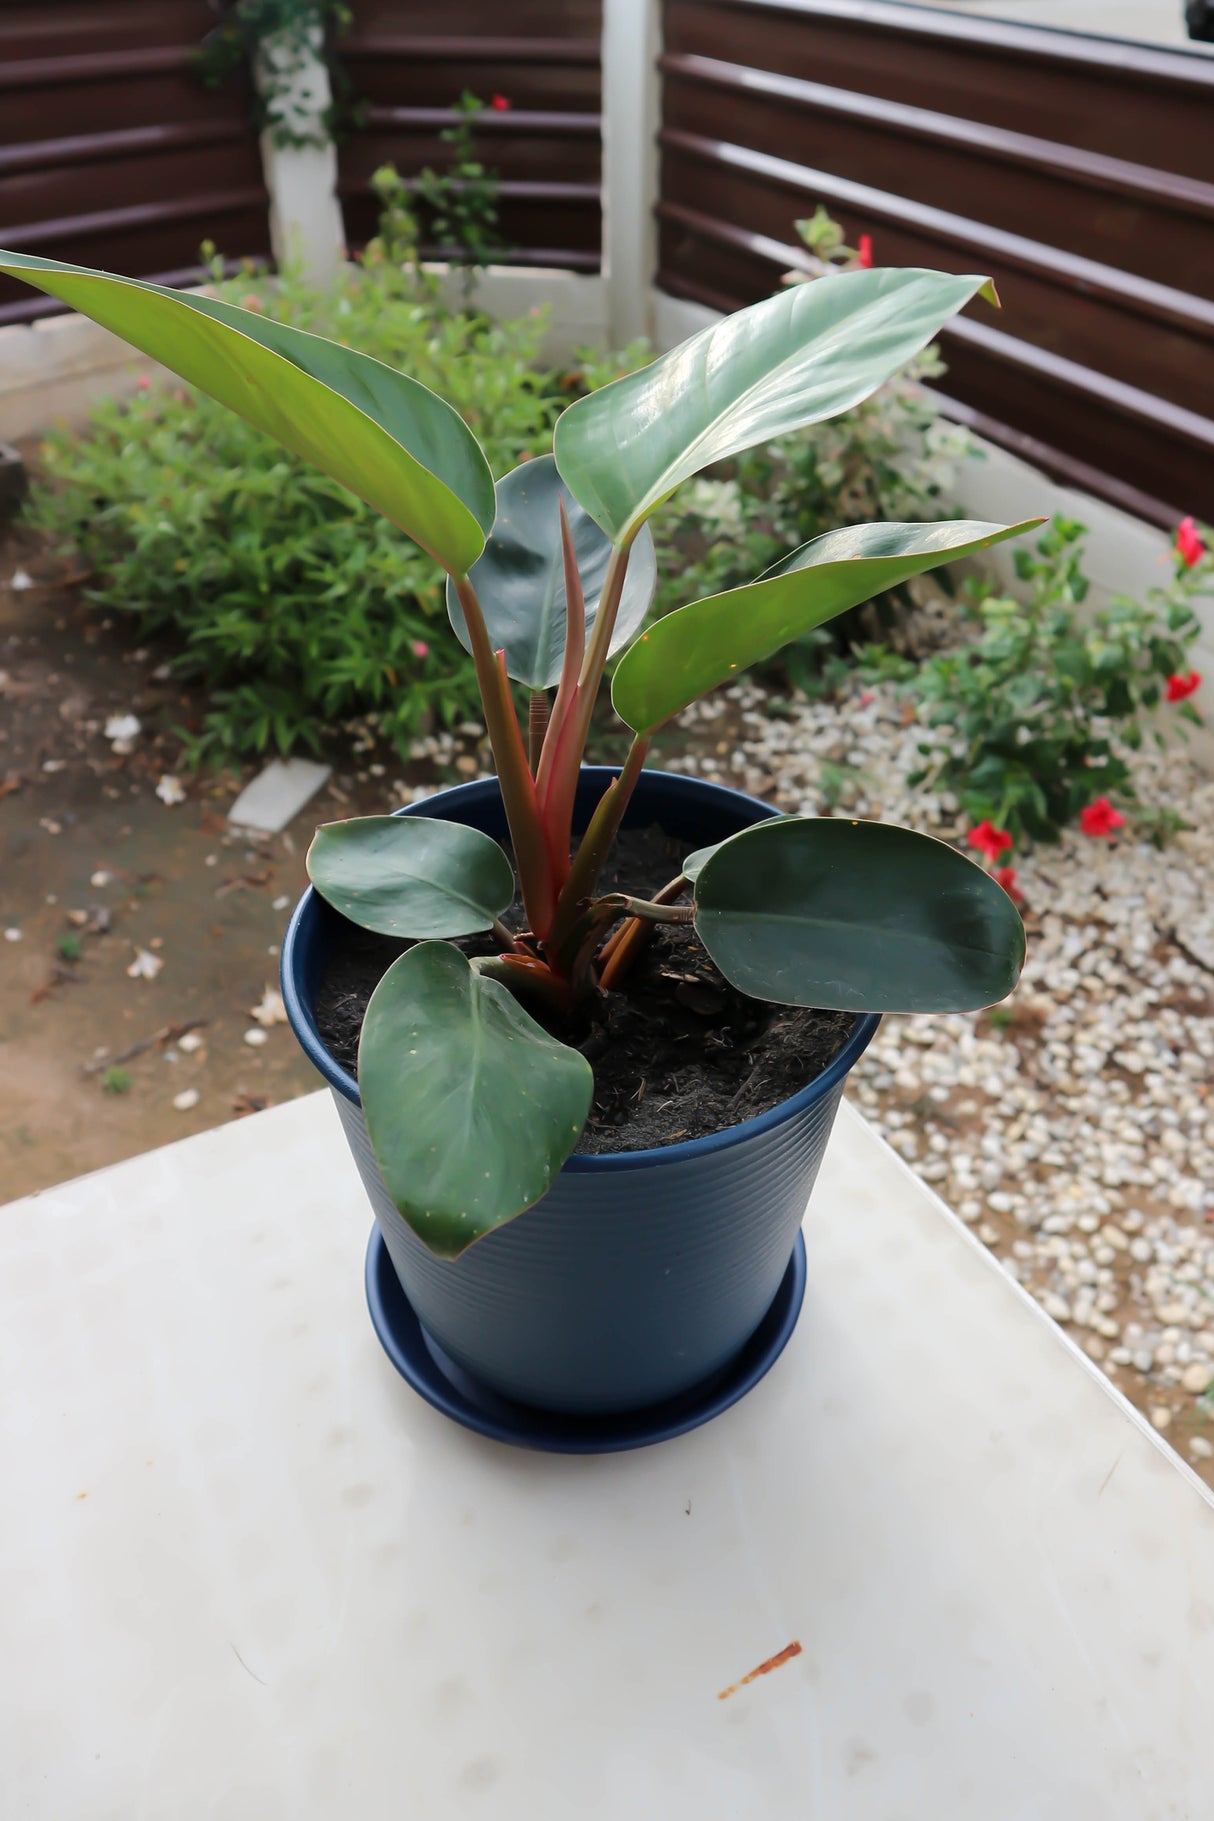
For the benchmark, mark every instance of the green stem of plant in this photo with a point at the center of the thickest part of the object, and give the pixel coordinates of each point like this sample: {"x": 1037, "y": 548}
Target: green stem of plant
{"x": 531, "y": 851}
{"x": 648, "y": 909}
{"x": 597, "y": 842}
{"x": 504, "y": 936}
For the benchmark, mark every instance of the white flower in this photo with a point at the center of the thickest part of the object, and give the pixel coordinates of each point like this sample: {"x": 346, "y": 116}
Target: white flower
{"x": 21, "y": 581}
{"x": 145, "y": 966}
{"x": 122, "y": 729}
{"x": 169, "y": 790}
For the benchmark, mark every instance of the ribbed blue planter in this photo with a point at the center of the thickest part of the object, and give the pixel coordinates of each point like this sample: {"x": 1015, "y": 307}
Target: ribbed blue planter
{"x": 641, "y": 1273}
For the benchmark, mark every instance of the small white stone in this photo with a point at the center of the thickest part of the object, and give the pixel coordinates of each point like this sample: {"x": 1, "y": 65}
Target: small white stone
{"x": 12, "y": 935}
{"x": 193, "y": 1040}
{"x": 1161, "y": 1416}
{"x": 256, "y": 1037}
{"x": 189, "y": 1097}
{"x": 1055, "y": 1306}
{"x": 1201, "y": 1449}
{"x": 1196, "y": 1379}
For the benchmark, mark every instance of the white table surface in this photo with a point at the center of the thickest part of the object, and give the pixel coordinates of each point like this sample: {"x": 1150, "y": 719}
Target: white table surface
{"x": 246, "y": 1573}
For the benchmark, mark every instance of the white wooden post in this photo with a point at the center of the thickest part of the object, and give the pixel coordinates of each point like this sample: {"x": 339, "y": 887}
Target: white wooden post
{"x": 305, "y": 216}
{"x": 631, "y": 46}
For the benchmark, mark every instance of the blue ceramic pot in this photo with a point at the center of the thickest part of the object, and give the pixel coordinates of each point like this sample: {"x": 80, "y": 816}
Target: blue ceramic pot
{"x": 641, "y": 1273}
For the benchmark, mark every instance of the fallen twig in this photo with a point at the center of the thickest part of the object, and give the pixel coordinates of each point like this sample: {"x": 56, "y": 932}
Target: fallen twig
{"x": 168, "y": 1033}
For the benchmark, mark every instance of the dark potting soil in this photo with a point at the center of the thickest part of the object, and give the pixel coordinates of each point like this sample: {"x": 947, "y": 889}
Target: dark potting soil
{"x": 677, "y": 1053}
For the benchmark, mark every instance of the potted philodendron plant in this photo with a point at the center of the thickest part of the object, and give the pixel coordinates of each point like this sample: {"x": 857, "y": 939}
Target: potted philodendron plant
{"x": 568, "y": 1280}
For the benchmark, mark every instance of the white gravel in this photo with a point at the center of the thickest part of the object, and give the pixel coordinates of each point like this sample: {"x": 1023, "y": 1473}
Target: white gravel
{"x": 1074, "y": 1131}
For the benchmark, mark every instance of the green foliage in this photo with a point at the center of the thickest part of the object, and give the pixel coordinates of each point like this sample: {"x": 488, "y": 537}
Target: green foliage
{"x": 1039, "y": 712}
{"x": 291, "y": 28}
{"x": 705, "y": 643}
{"x": 298, "y": 606}
{"x": 461, "y": 202}
{"x": 116, "y": 1081}
{"x": 467, "y": 1127}
{"x": 891, "y": 456}
{"x": 68, "y": 946}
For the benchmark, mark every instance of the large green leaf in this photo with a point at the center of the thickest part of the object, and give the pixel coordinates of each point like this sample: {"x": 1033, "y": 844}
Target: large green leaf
{"x": 411, "y": 875}
{"x": 796, "y": 358}
{"x": 471, "y": 1106}
{"x": 520, "y": 578}
{"x": 389, "y": 439}
{"x": 710, "y": 641}
{"x": 857, "y": 917}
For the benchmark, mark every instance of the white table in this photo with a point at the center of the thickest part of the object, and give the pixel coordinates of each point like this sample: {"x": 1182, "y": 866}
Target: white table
{"x": 248, "y": 1574}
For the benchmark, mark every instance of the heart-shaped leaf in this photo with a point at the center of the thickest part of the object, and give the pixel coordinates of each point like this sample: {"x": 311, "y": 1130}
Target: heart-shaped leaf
{"x": 471, "y": 1106}
{"x": 411, "y": 875}
{"x": 708, "y": 642}
{"x": 857, "y": 917}
{"x": 390, "y": 440}
{"x": 798, "y": 357}
{"x": 520, "y": 577}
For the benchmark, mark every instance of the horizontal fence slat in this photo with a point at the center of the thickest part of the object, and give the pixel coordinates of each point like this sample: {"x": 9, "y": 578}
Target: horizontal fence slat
{"x": 1081, "y": 179}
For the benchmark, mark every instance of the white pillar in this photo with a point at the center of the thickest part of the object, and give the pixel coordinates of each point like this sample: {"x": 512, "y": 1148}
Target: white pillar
{"x": 631, "y": 46}
{"x": 305, "y": 216}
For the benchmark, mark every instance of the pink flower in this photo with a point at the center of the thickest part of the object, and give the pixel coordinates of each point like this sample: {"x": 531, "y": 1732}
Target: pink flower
{"x": 1100, "y": 818}
{"x": 989, "y": 840}
{"x": 864, "y": 256}
{"x": 1006, "y": 877}
{"x": 500, "y": 103}
{"x": 420, "y": 649}
{"x": 144, "y": 384}
{"x": 865, "y": 699}
{"x": 1177, "y": 688}
{"x": 1189, "y": 547}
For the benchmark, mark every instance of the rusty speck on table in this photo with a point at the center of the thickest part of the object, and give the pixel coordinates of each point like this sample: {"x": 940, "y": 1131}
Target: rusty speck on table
{"x": 782, "y": 1656}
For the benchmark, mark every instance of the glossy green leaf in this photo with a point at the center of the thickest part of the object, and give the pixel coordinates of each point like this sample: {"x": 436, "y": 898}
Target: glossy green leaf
{"x": 857, "y": 917}
{"x": 803, "y": 355}
{"x": 390, "y": 440}
{"x": 520, "y": 578}
{"x": 695, "y": 863}
{"x": 470, "y": 1105}
{"x": 708, "y": 642}
{"x": 411, "y": 875}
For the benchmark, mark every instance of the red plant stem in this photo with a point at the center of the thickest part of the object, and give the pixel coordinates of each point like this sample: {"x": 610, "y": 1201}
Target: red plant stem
{"x": 571, "y": 663}
{"x": 628, "y": 938}
{"x": 538, "y": 713}
{"x": 597, "y": 841}
{"x": 536, "y": 881}
{"x": 558, "y": 785}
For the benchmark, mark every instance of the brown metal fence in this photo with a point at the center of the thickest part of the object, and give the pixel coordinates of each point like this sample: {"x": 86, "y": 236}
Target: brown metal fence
{"x": 111, "y": 151}
{"x": 1078, "y": 172}
{"x": 409, "y": 63}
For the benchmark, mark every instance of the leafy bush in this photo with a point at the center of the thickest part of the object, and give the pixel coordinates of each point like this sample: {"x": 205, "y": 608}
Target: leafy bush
{"x": 1038, "y": 714}
{"x": 298, "y": 606}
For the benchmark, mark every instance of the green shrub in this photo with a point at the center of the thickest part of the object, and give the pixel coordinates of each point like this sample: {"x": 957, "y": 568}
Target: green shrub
{"x": 1037, "y": 715}
{"x": 297, "y": 607}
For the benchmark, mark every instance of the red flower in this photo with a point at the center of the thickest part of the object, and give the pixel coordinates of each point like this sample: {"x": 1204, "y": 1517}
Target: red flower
{"x": 420, "y": 648}
{"x": 1006, "y": 877}
{"x": 1189, "y": 547}
{"x": 500, "y": 105}
{"x": 1100, "y": 818}
{"x": 143, "y": 383}
{"x": 864, "y": 257}
{"x": 989, "y": 840}
{"x": 1180, "y": 687}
